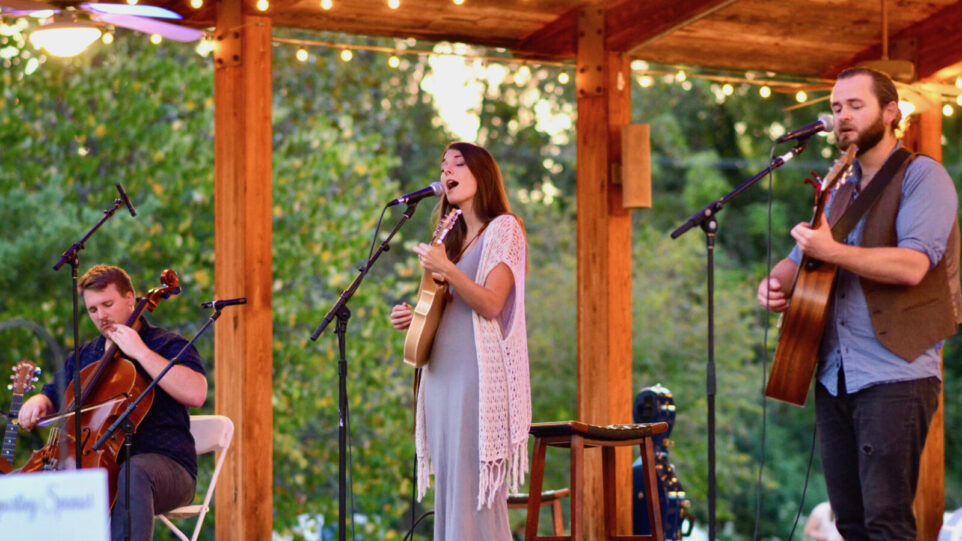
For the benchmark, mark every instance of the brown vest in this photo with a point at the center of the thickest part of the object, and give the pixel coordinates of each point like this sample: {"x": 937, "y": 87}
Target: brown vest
{"x": 910, "y": 319}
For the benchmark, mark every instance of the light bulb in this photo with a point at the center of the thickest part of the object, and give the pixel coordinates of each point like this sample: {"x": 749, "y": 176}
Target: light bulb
{"x": 64, "y": 38}
{"x": 765, "y": 92}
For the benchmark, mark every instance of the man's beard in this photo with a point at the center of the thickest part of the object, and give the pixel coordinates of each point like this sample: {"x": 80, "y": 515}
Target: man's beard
{"x": 866, "y": 139}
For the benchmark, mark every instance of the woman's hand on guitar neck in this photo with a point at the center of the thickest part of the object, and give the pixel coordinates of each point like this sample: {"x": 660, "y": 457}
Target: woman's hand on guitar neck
{"x": 401, "y": 316}
{"x": 435, "y": 260}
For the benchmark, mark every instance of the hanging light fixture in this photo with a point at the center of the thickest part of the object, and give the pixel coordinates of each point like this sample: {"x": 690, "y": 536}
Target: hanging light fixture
{"x": 65, "y": 36}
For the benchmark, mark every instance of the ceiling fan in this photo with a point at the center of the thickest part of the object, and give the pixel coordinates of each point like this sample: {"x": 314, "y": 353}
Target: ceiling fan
{"x": 76, "y": 24}
{"x": 902, "y": 72}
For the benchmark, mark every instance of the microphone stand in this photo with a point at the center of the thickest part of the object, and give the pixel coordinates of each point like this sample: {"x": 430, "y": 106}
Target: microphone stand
{"x": 343, "y": 314}
{"x": 123, "y": 421}
{"x": 706, "y": 219}
{"x": 72, "y": 256}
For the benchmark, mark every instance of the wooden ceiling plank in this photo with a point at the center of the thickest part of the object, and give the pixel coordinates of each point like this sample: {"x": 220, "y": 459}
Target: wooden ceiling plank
{"x": 630, "y": 25}
{"x": 938, "y": 43}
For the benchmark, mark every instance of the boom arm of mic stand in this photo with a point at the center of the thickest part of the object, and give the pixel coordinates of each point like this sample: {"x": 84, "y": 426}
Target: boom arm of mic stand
{"x": 712, "y": 209}
{"x": 79, "y": 245}
{"x": 349, "y": 292}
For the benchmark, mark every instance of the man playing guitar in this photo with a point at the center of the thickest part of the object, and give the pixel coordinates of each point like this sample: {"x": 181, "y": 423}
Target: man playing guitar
{"x": 896, "y": 298}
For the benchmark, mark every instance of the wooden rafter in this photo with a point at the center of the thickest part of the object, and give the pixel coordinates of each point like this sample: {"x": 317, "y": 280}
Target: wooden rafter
{"x": 629, "y": 25}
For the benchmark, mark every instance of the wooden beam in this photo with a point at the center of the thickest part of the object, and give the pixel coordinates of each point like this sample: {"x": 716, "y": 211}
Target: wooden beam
{"x": 558, "y": 38}
{"x": 604, "y": 263}
{"x": 243, "y": 262}
{"x": 925, "y": 135}
{"x": 937, "y": 40}
{"x": 629, "y": 25}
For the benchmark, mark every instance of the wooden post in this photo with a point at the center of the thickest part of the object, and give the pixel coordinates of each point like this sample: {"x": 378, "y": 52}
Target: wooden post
{"x": 242, "y": 239}
{"x": 925, "y": 135}
{"x": 604, "y": 262}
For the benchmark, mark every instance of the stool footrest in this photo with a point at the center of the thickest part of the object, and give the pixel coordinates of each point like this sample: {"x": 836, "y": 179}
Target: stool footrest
{"x": 547, "y": 497}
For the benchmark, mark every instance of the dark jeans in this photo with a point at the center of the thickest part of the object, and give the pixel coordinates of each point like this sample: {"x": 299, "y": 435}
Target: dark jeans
{"x": 871, "y": 443}
{"x": 157, "y": 485}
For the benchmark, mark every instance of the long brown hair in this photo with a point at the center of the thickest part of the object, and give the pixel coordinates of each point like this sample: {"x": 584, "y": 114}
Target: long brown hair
{"x": 490, "y": 201}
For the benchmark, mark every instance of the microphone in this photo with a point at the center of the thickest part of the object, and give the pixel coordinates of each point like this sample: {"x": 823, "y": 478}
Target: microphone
{"x": 126, "y": 200}
{"x": 217, "y": 305}
{"x": 824, "y": 123}
{"x": 433, "y": 190}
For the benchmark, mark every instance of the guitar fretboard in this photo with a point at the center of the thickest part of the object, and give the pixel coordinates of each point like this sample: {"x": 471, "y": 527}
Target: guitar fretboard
{"x": 10, "y": 433}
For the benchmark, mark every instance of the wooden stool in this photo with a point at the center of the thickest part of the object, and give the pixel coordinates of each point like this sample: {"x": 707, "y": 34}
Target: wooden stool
{"x": 576, "y": 436}
{"x": 548, "y": 497}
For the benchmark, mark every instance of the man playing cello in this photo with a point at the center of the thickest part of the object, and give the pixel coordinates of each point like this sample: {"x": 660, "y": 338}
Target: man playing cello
{"x": 163, "y": 464}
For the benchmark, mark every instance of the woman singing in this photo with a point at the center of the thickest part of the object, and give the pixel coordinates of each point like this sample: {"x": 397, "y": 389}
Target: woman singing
{"x": 474, "y": 401}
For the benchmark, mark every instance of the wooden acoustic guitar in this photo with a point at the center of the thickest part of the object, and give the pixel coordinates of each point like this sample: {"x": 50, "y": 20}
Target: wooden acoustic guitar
{"x": 24, "y": 376}
{"x": 803, "y": 324}
{"x": 427, "y": 312}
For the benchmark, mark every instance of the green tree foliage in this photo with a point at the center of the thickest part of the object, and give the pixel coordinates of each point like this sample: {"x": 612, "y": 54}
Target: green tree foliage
{"x": 349, "y": 136}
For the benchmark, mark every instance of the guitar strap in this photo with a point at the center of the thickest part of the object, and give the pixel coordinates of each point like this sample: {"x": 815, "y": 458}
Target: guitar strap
{"x": 854, "y": 212}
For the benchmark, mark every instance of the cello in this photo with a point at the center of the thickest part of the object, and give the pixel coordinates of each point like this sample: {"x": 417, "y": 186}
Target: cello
{"x": 108, "y": 386}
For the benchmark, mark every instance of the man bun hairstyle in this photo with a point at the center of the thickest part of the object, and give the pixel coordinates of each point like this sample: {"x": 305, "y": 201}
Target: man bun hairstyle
{"x": 882, "y": 85}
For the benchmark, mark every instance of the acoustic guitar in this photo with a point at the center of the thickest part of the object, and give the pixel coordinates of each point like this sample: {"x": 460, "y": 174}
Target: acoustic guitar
{"x": 24, "y": 376}
{"x": 427, "y": 312}
{"x": 803, "y": 324}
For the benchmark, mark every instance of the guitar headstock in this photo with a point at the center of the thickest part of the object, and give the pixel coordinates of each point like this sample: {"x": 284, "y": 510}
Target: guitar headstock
{"x": 24, "y": 376}
{"x": 841, "y": 168}
{"x": 445, "y": 225}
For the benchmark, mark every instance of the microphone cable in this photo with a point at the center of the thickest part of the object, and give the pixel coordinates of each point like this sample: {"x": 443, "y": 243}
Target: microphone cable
{"x": 765, "y": 328}
{"x": 765, "y": 334}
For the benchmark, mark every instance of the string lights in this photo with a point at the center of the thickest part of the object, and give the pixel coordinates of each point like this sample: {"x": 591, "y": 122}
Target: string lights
{"x": 766, "y": 82}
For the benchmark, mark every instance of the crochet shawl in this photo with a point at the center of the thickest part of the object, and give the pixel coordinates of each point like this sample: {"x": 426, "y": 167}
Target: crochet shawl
{"x": 504, "y": 405}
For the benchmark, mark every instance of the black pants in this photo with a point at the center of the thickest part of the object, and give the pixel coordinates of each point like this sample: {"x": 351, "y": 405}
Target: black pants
{"x": 157, "y": 485}
{"x": 871, "y": 443}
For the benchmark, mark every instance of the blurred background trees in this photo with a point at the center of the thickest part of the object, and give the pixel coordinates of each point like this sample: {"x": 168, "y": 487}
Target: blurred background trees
{"x": 348, "y": 137}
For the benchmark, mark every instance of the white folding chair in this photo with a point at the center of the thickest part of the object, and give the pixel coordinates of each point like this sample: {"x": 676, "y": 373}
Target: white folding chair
{"x": 211, "y": 433}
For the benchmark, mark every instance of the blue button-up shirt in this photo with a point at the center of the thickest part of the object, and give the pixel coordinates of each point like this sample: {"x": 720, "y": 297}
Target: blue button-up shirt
{"x": 926, "y": 213}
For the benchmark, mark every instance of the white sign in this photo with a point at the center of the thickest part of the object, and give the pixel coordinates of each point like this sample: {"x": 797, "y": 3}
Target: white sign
{"x": 55, "y": 505}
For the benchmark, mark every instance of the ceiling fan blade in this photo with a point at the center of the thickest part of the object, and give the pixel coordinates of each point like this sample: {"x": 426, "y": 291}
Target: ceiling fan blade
{"x": 140, "y": 10}
{"x": 151, "y": 26}
{"x": 27, "y": 6}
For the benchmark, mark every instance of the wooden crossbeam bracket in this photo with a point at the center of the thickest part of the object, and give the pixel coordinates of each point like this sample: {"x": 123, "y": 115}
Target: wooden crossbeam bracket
{"x": 227, "y": 48}
{"x": 590, "y": 79}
